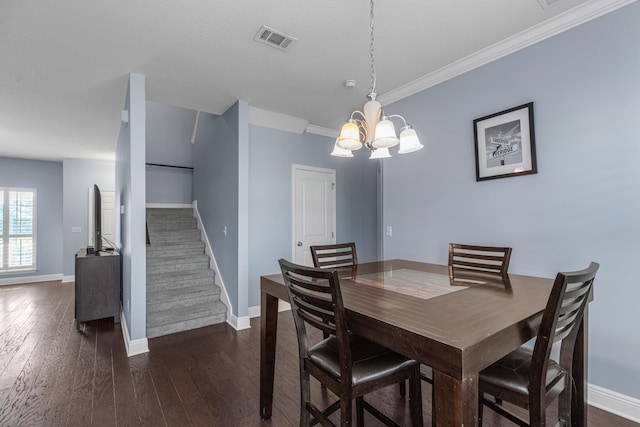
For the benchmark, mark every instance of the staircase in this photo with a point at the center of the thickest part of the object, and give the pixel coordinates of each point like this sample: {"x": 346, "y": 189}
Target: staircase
{"x": 181, "y": 290}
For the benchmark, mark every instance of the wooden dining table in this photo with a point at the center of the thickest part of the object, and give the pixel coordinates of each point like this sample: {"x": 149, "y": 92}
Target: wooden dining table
{"x": 411, "y": 308}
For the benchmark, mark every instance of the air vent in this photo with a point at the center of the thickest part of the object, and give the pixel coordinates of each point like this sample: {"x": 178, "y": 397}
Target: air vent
{"x": 548, "y": 3}
{"x": 274, "y": 38}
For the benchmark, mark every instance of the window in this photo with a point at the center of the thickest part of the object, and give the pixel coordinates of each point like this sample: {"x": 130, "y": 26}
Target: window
{"x": 17, "y": 229}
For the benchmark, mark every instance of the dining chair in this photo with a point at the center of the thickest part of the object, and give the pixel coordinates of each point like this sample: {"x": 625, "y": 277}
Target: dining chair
{"x": 341, "y": 256}
{"x": 468, "y": 262}
{"x": 347, "y": 364}
{"x": 334, "y": 256}
{"x": 531, "y": 379}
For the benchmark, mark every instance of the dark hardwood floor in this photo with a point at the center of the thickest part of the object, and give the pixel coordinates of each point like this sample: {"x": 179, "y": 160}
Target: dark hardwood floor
{"x": 52, "y": 375}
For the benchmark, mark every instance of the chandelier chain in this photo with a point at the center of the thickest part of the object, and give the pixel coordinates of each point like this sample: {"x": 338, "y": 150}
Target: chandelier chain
{"x": 371, "y": 128}
{"x": 371, "y": 53}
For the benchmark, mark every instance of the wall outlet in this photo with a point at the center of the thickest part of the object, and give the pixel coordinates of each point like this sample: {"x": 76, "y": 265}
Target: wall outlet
{"x": 389, "y": 231}
{"x": 128, "y": 304}
{"x": 76, "y": 229}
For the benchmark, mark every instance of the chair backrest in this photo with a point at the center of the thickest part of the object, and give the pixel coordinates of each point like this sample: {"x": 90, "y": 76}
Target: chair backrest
{"x": 334, "y": 256}
{"x": 561, "y": 320}
{"x": 316, "y": 300}
{"x": 465, "y": 261}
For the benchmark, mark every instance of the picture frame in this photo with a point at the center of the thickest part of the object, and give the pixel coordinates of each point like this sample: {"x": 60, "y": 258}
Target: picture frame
{"x": 505, "y": 143}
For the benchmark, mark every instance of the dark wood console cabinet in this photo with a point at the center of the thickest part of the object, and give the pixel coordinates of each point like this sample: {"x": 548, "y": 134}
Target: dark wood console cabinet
{"x": 97, "y": 286}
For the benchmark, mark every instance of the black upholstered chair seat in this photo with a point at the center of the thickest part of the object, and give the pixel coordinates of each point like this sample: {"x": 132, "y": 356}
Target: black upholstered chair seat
{"x": 512, "y": 372}
{"x": 370, "y": 361}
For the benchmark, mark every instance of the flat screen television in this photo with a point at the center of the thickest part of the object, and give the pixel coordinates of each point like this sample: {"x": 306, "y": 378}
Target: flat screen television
{"x": 97, "y": 220}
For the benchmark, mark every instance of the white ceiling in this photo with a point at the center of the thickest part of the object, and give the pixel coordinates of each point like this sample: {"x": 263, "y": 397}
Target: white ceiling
{"x": 64, "y": 64}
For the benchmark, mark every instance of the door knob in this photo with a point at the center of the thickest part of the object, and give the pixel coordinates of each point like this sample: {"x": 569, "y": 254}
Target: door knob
{"x": 299, "y": 243}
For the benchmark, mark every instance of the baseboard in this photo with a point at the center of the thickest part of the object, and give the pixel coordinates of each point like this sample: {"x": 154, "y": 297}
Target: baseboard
{"x": 67, "y": 279}
{"x": 224, "y": 296}
{"x": 238, "y": 323}
{"x": 133, "y": 347}
{"x": 30, "y": 279}
{"x": 615, "y": 403}
{"x": 168, "y": 205}
{"x": 255, "y": 310}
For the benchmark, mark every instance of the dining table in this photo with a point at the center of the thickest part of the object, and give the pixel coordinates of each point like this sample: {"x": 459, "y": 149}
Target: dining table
{"x": 411, "y": 307}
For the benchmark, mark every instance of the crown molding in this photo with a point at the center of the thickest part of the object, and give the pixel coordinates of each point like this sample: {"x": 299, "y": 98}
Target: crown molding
{"x": 322, "y": 131}
{"x": 271, "y": 119}
{"x": 553, "y": 26}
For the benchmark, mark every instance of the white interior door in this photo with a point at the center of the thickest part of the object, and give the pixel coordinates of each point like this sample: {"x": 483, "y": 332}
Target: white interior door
{"x": 314, "y": 210}
{"x": 108, "y": 205}
{"x": 108, "y": 216}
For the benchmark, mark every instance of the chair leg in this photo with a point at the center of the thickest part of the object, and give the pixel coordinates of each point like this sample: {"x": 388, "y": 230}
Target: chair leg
{"x": 360, "y": 411}
{"x": 403, "y": 389}
{"x": 564, "y": 406}
{"x": 305, "y": 396}
{"x": 346, "y": 418}
{"x": 415, "y": 399}
{"x": 537, "y": 412}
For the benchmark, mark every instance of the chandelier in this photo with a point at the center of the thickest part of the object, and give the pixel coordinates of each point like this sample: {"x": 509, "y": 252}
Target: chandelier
{"x": 371, "y": 127}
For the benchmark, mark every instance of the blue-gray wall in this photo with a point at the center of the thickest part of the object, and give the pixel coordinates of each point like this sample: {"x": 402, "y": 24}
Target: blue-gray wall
{"x": 584, "y": 203}
{"x": 77, "y": 177}
{"x": 169, "y": 185}
{"x": 271, "y": 156}
{"x": 216, "y": 188}
{"x": 247, "y": 180}
{"x": 169, "y": 130}
{"x": 46, "y": 177}
{"x": 130, "y": 193}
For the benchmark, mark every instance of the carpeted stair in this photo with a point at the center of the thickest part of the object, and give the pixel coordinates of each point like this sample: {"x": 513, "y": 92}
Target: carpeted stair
{"x": 181, "y": 289}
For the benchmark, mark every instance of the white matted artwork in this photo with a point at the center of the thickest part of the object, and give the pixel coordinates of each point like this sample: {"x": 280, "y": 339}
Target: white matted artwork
{"x": 505, "y": 143}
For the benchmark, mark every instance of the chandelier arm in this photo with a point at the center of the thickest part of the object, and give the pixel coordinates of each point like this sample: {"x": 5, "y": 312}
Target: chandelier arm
{"x": 352, "y": 117}
{"x": 405, "y": 124}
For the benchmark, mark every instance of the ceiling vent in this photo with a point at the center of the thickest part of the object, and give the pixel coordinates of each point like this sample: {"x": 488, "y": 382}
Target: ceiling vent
{"x": 548, "y": 3}
{"x": 274, "y": 38}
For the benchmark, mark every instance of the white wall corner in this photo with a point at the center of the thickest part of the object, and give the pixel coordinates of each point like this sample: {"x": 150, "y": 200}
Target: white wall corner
{"x": 134, "y": 347}
{"x": 613, "y": 402}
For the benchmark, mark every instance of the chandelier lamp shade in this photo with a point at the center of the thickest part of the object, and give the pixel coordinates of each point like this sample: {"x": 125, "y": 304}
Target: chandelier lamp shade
{"x": 371, "y": 128}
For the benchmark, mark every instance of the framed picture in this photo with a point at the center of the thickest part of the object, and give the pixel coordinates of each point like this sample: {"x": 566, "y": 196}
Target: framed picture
{"x": 505, "y": 143}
